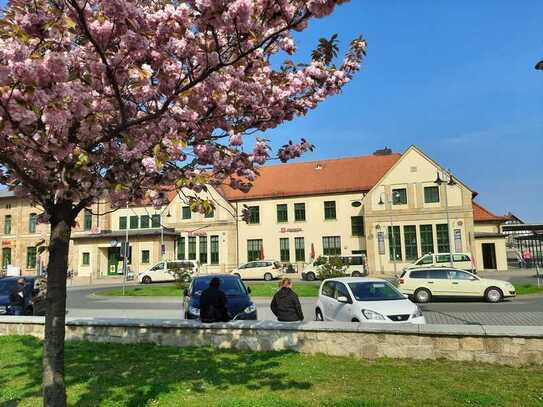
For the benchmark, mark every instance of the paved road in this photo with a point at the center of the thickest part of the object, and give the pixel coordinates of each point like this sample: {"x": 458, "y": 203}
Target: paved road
{"x": 520, "y": 311}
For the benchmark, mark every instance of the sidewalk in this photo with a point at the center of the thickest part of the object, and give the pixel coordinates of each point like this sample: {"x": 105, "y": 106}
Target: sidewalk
{"x": 518, "y": 276}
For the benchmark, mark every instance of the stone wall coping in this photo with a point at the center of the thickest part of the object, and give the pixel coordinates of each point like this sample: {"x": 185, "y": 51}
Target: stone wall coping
{"x": 313, "y": 326}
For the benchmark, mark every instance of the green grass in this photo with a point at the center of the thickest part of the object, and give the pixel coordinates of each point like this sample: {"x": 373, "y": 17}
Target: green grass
{"x": 258, "y": 289}
{"x": 100, "y": 374}
{"x": 523, "y": 289}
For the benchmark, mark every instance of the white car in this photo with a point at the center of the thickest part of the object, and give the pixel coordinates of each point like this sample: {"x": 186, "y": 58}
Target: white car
{"x": 259, "y": 270}
{"x": 364, "y": 299}
{"x": 161, "y": 271}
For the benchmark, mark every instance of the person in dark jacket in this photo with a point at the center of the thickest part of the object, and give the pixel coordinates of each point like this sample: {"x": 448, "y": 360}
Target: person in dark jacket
{"x": 285, "y": 304}
{"x": 17, "y": 298}
{"x": 213, "y": 303}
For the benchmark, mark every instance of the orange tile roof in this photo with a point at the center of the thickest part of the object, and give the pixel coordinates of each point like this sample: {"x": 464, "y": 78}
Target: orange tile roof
{"x": 352, "y": 174}
{"x": 481, "y": 214}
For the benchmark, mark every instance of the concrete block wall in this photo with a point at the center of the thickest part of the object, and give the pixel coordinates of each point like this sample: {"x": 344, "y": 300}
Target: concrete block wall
{"x": 515, "y": 346}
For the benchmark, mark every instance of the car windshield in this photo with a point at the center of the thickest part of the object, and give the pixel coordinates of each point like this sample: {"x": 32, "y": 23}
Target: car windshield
{"x": 231, "y": 286}
{"x": 375, "y": 291}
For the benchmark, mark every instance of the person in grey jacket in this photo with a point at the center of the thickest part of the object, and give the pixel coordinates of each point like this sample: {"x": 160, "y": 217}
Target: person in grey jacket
{"x": 285, "y": 304}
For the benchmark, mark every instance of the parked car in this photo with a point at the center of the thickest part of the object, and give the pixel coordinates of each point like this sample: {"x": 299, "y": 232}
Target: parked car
{"x": 162, "y": 271}
{"x": 425, "y": 284}
{"x": 354, "y": 265}
{"x": 239, "y": 302}
{"x": 462, "y": 261}
{"x": 259, "y": 270}
{"x": 364, "y": 299}
{"x": 30, "y": 291}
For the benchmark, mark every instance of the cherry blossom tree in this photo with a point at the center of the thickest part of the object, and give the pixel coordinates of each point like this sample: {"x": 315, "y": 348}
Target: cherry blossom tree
{"x": 123, "y": 99}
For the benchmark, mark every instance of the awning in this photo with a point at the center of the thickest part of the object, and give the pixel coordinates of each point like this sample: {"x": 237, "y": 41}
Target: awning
{"x": 108, "y": 234}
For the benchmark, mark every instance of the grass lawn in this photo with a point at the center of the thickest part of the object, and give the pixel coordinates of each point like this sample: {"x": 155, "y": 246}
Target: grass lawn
{"x": 258, "y": 289}
{"x": 100, "y": 374}
{"x": 523, "y": 289}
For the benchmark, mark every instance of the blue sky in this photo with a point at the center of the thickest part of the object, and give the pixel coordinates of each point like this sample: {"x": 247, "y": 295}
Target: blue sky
{"x": 454, "y": 77}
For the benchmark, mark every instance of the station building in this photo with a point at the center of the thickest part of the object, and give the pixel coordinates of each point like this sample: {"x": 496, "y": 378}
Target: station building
{"x": 387, "y": 206}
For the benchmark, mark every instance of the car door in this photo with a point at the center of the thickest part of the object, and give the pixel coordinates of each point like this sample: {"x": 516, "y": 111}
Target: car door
{"x": 157, "y": 271}
{"x": 466, "y": 284}
{"x": 438, "y": 281}
{"x": 327, "y": 300}
{"x": 343, "y": 311}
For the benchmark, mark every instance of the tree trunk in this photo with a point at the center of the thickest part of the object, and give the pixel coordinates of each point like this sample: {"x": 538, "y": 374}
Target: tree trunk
{"x": 54, "y": 388}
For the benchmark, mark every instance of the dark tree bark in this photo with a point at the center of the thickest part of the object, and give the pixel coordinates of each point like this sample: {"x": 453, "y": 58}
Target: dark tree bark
{"x": 54, "y": 388}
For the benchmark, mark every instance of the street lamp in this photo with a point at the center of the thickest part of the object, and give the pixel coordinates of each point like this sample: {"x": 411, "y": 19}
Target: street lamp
{"x": 393, "y": 240}
{"x": 445, "y": 177}
{"x": 162, "y": 248}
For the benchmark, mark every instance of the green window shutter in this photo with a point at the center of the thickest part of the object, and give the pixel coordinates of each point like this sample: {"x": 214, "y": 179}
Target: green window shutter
{"x": 299, "y": 212}
{"x": 426, "y": 239}
{"x": 203, "y": 249}
{"x": 331, "y": 245}
{"x": 330, "y": 210}
{"x": 254, "y": 214}
{"x": 85, "y": 259}
{"x": 155, "y": 221}
{"x": 399, "y": 196}
{"x": 192, "y": 248}
{"x": 144, "y": 221}
{"x": 395, "y": 243}
{"x": 357, "y": 226}
{"x": 181, "y": 248}
{"x": 87, "y": 220}
{"x": 254, "y": 248}
{"x": 186, "y": 213}
{"x": 442, "y": 235}
{"x": 32, "y": 222}
{"x": 299, "y": 247}
{"x": 284, "y": 249}
{"x": 282, "y": 213}
{"x": 7, "y": 224}
{"x": 134, "y": 222}
{"x": 31, "y": 257}
{"x": 145, "y": 257}
{"x": 431, "y": 194}
{"x": 122, "y": 222}
{"x": 410, "y": 242}
{"x": 214, "y": 243}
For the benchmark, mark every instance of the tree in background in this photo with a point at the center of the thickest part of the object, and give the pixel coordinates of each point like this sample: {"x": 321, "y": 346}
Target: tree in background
{"x": 124, "y": 99}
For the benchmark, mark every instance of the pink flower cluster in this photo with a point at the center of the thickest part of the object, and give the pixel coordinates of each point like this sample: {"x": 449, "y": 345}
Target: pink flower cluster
{"x": 122, "y": 97}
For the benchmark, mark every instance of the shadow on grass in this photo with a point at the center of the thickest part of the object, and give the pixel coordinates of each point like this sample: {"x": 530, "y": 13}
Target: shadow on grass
{"x": 134, "y": 375}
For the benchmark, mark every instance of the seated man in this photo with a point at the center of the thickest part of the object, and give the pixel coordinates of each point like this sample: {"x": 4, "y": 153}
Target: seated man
{"x": 213, "y": 303}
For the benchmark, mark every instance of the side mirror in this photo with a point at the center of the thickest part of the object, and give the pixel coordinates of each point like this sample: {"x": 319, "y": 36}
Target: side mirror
{"x": 249, "y": 290}
{"x": 405, "y": 296}
{"x": 185, "y": 292}
{"x": 343, "y": 299}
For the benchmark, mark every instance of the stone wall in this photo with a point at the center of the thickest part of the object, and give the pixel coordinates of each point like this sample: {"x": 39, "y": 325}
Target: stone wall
{"x": 516, "y": 346}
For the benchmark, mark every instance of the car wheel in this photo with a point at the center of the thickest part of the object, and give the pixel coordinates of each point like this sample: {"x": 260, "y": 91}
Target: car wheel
{"x": 146, "y": 280}
{"x": 318, "y": 315}
{"x": 423, "y": 295}
{"x": 354, "y": 320}
{"x": 310, "y": 276}
{"x": 356, "y": 274}
{"x": 268, "y": 277}
{"x": 493, "y": 294}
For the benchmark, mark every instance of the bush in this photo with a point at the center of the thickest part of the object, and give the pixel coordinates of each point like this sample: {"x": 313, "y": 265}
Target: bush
{"x": 331, "y": 267}
{"x": 183, "y": 275}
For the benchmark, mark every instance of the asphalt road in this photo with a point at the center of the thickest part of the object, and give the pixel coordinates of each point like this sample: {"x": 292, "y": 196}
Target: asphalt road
{"x": 83, "y": 303}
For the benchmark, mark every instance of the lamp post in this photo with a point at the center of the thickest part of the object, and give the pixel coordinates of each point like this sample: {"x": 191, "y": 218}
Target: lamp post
{"x": 393, "y": 240}
{"x": 162, "y": 247}
{"x": 445, "y": 177}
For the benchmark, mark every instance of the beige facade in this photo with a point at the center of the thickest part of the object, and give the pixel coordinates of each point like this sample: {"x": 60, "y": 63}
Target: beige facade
{"x": 389, "y": 208}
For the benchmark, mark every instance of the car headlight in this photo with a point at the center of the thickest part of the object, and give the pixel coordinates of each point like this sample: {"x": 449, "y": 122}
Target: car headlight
{"x": 250, "y": 309}
{"x": 372, "y": 315}
{"x": 194, "y": 311}
{"x": 417, "y": 313}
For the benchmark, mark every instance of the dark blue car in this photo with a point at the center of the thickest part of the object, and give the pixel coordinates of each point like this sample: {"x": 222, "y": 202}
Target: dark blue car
{"x": 6, "y": 284}
{"x": 239, "y": 302}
